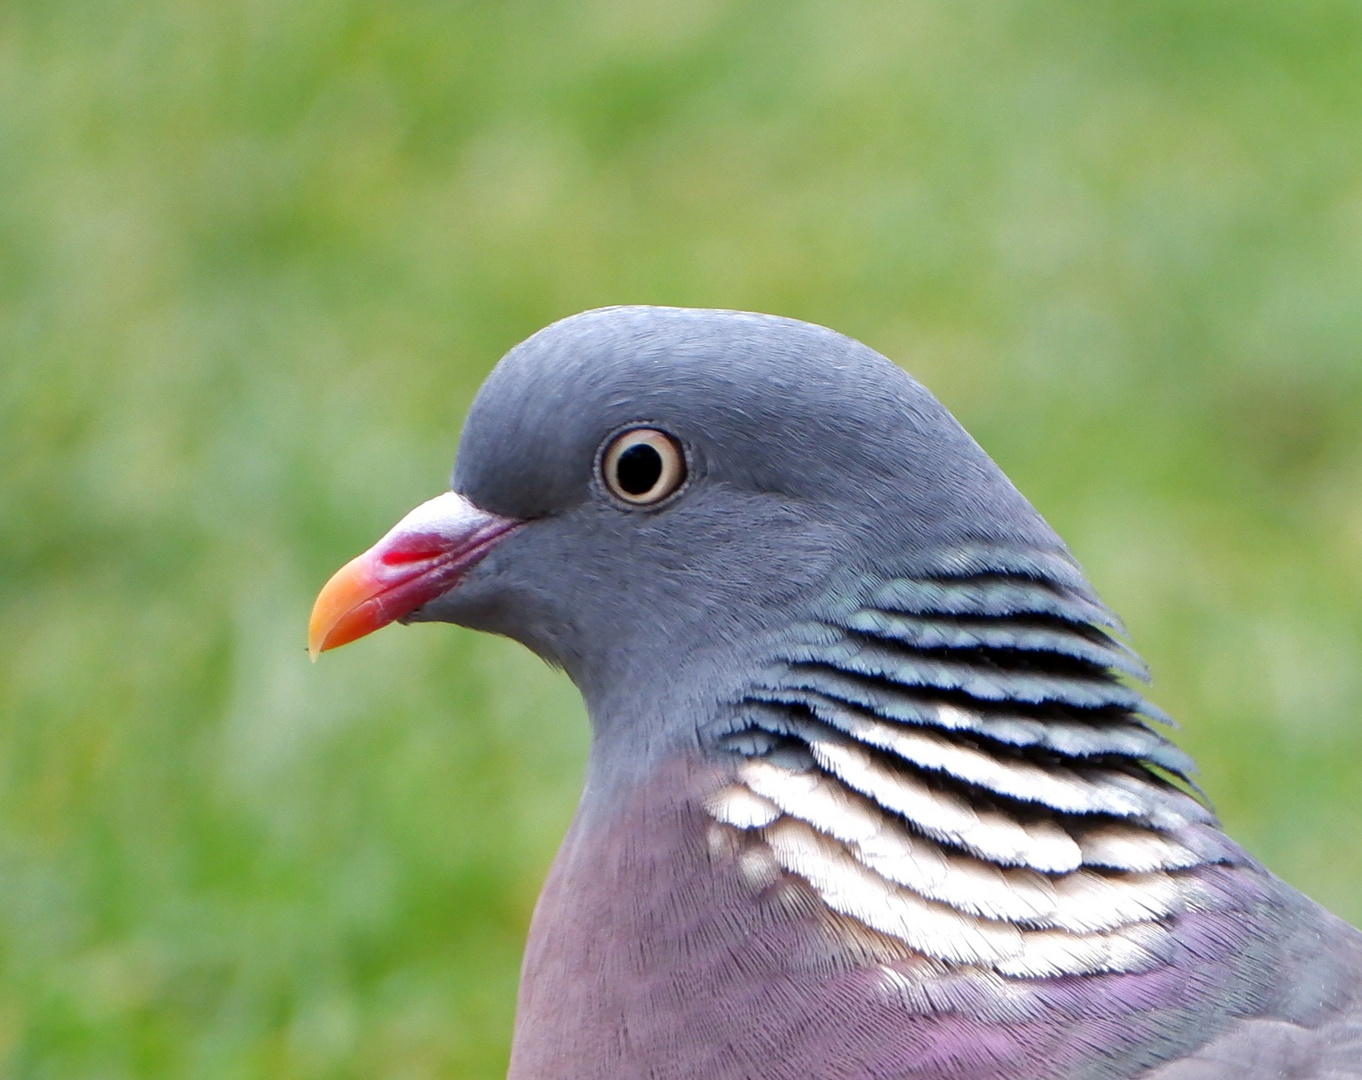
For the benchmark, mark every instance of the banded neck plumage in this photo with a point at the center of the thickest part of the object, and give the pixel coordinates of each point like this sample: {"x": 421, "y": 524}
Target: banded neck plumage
{"x": 954, "y": 756}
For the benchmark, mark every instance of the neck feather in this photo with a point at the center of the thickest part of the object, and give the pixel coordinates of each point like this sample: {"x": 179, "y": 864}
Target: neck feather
{"x": 955, "y": 757}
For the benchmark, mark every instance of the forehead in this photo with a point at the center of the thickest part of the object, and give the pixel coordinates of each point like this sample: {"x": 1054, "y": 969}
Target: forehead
{"x": 719, "y": 378}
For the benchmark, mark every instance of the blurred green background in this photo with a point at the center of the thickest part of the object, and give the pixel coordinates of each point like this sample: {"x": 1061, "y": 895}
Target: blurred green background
{"x": 255, "y": 259}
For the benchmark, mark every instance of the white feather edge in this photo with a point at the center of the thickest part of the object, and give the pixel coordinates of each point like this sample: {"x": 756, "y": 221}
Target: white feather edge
{"x": 939, "y": 931}
{"x": 1057, "y": 787}
{"x": 948, "y": 817}
{"x": 1080, "y": 902}
{"x": 1126, "y": 847}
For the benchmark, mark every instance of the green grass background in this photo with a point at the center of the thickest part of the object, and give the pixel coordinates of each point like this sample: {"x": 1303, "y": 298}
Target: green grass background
{"x": 255, "y": 258}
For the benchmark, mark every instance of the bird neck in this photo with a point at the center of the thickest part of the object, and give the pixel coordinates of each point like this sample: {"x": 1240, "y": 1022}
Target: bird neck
{"x": 932, "y": 802}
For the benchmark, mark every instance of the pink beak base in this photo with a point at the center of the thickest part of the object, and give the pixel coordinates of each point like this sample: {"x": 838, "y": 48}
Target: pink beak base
{"x": 423, "y": 556}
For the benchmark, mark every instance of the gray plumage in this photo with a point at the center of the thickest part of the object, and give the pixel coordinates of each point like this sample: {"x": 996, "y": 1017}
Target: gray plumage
{"x": 869, "y": 793}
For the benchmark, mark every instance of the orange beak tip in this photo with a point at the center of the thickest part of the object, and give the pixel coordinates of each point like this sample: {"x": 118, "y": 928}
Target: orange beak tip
{"x": 333, "y": 620}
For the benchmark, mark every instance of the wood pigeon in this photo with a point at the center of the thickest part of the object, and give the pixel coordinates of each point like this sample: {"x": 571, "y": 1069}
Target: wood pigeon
{"x": 873, "y": 791}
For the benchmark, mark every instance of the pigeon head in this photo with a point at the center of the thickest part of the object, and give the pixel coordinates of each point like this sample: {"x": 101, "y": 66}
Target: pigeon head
{"x": 639, "y": 488}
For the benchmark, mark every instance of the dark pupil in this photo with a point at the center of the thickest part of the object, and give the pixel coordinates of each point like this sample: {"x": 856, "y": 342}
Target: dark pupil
{"x": 638, "y": 469}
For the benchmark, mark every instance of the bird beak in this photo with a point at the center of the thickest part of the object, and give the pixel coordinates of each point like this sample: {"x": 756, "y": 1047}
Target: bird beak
{"x": 423, "y": 556}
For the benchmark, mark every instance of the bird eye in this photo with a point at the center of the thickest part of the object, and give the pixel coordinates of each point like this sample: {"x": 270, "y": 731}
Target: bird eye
{"x": 642, "y": 466}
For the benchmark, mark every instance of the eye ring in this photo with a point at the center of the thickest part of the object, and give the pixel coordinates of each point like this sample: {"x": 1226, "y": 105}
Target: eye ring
{"x": 642, "y": 466}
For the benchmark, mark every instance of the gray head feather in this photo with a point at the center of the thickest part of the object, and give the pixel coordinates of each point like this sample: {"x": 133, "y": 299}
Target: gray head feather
{"x": 813, "y": 461}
